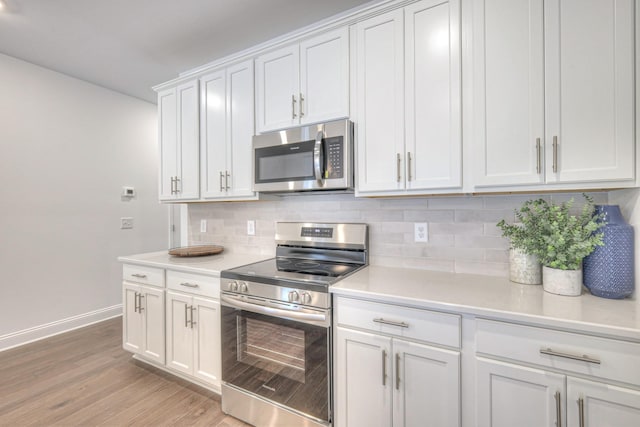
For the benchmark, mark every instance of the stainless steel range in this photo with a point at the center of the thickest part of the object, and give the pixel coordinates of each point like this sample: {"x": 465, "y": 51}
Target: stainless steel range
{"x": 276, "y": 325}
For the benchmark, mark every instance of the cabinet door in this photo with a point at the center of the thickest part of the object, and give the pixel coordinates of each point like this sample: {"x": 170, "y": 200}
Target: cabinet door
{"x": 432, "y": 83}
{"x": 511, "y": 395}
{"x": 240, "y": 125}
{"x": 206, "y": 340}
{"x": 603, "y": 405}
{"x": 427, "y": 386}
{"x": 213, "y": 121}
{"x": 152, "y": 308}
{"x": 508, "y": 92}
{"x": 189, "y": 142}
{"x": 132, "y": 319}
{"x": 179, "y": 333}
{"x": 168, "y": 138}
{"x": 380, "y": 102}
{"x": 324, "y": 77}
{"x": 364, "y": 379}
{"x": 589, "y": 57}
{"x": 277, "y": 89}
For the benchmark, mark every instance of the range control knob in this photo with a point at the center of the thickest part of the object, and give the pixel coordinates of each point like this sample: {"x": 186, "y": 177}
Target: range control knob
{"x": 293, "y": 296}
{"x": 306, "y": 298}
{"x": 233, "y": 286}
{"x": 244, "y": 287}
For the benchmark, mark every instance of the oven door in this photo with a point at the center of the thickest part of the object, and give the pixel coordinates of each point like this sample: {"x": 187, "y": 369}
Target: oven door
{"x": 280, "y": 358}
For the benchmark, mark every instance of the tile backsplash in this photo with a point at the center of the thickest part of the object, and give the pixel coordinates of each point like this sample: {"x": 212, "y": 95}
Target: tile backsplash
{"x": 462, "y": 232}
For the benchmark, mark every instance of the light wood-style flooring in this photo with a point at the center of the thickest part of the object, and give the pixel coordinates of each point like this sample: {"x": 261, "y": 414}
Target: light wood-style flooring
{"x": 85, "y": 378}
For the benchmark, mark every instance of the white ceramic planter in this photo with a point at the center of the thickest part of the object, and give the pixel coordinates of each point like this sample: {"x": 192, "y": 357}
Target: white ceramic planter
{"x": 524, "y": 268}
{"x": 562, "y": 282}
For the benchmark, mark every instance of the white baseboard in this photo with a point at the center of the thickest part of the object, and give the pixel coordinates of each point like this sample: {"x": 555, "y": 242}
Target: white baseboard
{"x": 36, "y": 333}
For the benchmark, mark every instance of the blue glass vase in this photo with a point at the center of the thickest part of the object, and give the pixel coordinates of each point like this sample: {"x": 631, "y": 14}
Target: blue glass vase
{"x": 609, "y": 270}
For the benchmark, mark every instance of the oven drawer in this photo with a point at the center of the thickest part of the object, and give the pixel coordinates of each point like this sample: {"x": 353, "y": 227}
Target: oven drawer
{"x": 582, "y": 354}
{"x": 423, "y": 325}
{"x": 143, "y": 274}
{"x": 194, "y": 283}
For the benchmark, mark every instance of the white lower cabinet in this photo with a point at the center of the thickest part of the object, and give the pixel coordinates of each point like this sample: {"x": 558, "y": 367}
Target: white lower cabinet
{"x": 143, "y": 321}
{"x": 181, "y": 336}
{"x": 193, "y": 336}
{"x": 383, "y": 379}
{"x": 551, "y": 390}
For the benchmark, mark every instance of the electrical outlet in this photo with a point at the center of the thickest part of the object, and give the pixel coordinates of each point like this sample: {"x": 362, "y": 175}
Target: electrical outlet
{"x": 126, "y": 223}
{"x": 420, "y": 232}
{"x": 203, "y": 225}
{"x": 251, "y": 227}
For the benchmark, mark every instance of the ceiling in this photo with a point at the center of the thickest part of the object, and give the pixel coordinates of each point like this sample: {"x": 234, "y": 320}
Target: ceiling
{"x": 131, "y": 45}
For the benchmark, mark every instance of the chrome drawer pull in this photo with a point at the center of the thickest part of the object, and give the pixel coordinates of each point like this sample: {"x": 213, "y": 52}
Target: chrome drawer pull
{"x": 391, "y": 322}
{"x": 384, "y": 368}
{"x": 189, "y": 285}
{"x": 139, "y": 276}
{"x": 581, "y": 412}
{"x": 397, "y": 371}
{"x": 583, "y": 358}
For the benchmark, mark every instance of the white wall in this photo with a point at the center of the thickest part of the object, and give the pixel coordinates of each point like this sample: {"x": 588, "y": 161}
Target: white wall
{"x": 66, "y": 149}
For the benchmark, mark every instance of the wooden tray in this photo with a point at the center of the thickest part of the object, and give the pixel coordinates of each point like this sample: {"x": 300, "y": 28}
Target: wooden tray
{"x": 200, "y": 250}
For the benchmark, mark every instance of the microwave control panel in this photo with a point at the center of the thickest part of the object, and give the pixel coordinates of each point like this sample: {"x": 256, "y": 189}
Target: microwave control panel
{"x": 334, "y": 157}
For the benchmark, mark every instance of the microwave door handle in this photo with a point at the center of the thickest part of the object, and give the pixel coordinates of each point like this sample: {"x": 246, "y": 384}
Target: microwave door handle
{"x": 317, "y": 157}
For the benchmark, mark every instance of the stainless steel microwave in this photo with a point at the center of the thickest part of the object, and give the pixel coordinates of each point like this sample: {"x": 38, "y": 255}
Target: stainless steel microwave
{"x": 307, "y": 158}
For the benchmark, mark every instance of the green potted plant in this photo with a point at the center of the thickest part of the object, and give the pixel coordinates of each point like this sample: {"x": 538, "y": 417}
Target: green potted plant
{"x": 565, "y": 239}
{"x": 524, "y": 241}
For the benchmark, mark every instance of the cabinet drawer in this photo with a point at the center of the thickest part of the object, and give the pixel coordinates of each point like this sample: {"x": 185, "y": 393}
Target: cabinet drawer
{"x": 194, "y": 283}
{"x": 417, "y": 324}
{"x": 142, "y": 274}
{"x": 583, "y": 354}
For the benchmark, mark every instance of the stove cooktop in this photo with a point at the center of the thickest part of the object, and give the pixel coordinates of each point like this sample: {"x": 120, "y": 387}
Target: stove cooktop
{"x": 292, "y": 270}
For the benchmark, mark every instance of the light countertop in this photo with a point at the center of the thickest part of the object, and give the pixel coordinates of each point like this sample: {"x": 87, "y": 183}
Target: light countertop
{"x": 495, "y": 298}
{"x": 210, "y": 265}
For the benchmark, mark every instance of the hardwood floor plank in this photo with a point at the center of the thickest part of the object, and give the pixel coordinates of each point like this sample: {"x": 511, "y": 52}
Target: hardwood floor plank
{"x": 85, "y": 378}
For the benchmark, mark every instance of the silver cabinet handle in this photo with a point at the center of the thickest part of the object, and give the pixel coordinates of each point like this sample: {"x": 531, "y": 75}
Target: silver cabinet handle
{"x": 384, "y": 367}
{"x": 409, "y": 166}
{"x": 391, "y": 322}
{"x": 538, "y": 162}
{"x": 177, "y": 188}
{"x": 189, "y": 285}
{"x": 186, "y": 320}
{"x": 226, "y": 180}
{"x": 140, "y": 307}
{"x": 581, "y": 412}
{"x": 192, "y": 309}
{"x": 397, "y": 371}
{"x": 293, "y": 107}
{"x": 221, "y": 177}
{"x": 172, "y": 181}
{"x": 139, "y": 276}
{"x": 582, "y": 358}
{"x": 135, "y": 302}
{"x": 555, "y": 154}
{"x": 558, "y": 409}
{"x": 398, "y": 166}
{"x": 301, "y": 101}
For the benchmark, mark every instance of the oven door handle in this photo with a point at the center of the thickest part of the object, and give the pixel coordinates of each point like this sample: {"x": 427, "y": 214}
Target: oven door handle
{"x": 317, "y": 157}
{"x": 271, "y": 311}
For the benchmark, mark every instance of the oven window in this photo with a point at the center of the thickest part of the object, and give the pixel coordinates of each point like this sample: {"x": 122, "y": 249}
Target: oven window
{"x": 278, "y": 359}
{"x": 279, "y": 348}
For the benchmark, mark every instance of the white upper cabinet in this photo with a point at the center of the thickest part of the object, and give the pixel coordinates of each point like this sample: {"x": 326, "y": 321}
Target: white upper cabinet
{"x": 227, "y": 124}
{"x": 179, "y": 142}
{"x": 553, "y": 88}
{"x": 304, "y": 83}
{"x": 408, "y": 119}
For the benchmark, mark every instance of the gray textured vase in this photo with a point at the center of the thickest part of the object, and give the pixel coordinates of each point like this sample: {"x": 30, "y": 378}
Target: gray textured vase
{"x": 524, "y": 268}
{"x": 609, "y": 270}
{"x": 562, "y": 282}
